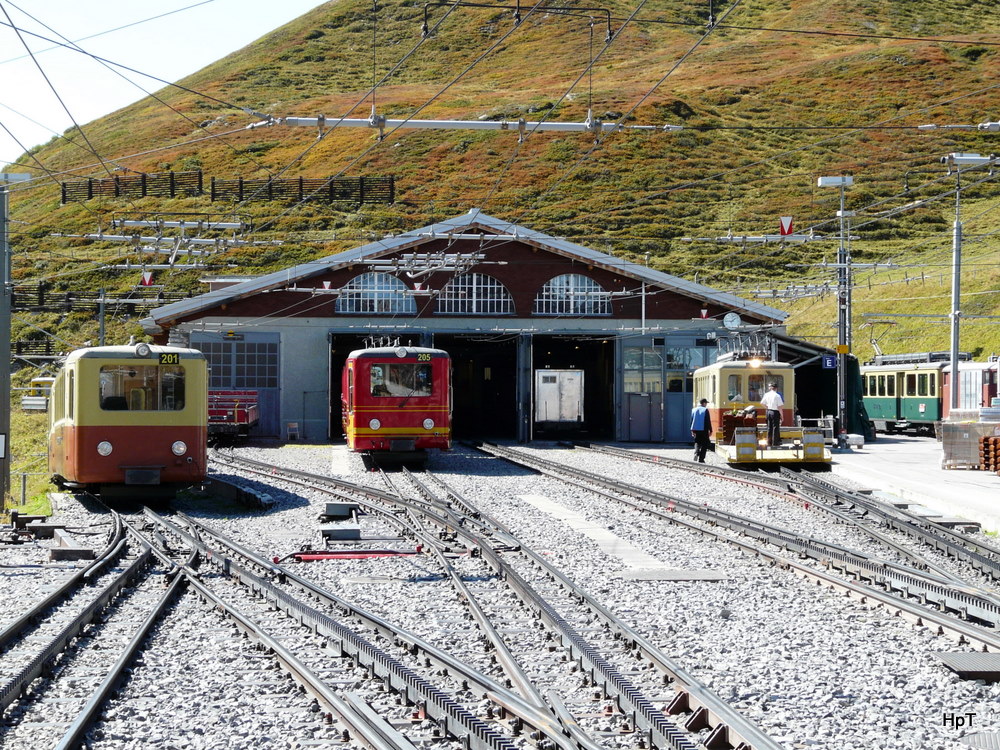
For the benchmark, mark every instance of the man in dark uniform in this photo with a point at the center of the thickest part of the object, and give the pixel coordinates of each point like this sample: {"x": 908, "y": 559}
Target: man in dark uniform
{"x": 701, "y": 430}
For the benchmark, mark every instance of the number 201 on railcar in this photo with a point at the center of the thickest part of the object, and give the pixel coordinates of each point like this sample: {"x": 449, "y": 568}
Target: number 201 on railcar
{"x": 126, "y": 417}
{"x": 397, "y": 400}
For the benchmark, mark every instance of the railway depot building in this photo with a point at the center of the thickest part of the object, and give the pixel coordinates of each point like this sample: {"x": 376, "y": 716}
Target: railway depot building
{"x": 548, "y": 339}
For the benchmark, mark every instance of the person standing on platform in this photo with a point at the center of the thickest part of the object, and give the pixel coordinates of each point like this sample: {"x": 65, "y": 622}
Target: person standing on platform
{"x": 772, "y": 402}
{"x": 701, "y": 430}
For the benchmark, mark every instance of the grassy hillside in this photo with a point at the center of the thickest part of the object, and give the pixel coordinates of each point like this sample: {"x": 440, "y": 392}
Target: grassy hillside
{"x": 765, "y": 107}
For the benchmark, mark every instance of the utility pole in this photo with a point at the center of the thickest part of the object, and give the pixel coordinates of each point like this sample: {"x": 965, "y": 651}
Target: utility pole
{"x": 6, "y": 291}
{"x": 843, "y": 305}
{"x": 958, "y": 161}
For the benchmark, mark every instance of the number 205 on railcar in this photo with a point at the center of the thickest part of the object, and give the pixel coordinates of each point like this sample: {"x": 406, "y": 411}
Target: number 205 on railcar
{"x": 396, "y": 402}
{"x": 130, "y": 418}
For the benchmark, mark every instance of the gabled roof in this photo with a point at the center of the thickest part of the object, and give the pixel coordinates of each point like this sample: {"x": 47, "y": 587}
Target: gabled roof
{"x": 472, "y": 221}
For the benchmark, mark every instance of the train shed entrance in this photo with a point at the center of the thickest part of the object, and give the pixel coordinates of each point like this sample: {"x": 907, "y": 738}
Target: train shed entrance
{"x": 573, "y": 385}
{"x": 484, "y": 385}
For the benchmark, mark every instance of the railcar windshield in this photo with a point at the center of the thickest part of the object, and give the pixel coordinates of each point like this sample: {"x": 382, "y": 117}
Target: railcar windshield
{"x": 757, "y": 385}
{"x": 401, "y": 379}
{"x": 142, "y": 388}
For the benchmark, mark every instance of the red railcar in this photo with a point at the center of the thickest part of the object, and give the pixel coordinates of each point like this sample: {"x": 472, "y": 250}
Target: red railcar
{"x": 396, "y": 402}
{"x": 977, "y": 386}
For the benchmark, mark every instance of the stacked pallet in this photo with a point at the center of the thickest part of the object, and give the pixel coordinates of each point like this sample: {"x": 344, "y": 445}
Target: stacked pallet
{"x": 961, "y": 443}
{"x": 989, "y": 453}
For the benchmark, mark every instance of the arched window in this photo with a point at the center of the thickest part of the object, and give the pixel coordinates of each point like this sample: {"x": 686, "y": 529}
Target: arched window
{"x": 475, "y": 294}
{"x": 375, "y": 293}
{"x": 572, "y": 294}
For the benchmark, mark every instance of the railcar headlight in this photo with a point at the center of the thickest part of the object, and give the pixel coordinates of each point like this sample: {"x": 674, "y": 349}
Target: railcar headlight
{"x": 142, "y": 350}
{"x": 178, "y": 448}
{"x": 428, "y": 424}
{"x": 105, "y": 448}
{"x": 374, "y": 424}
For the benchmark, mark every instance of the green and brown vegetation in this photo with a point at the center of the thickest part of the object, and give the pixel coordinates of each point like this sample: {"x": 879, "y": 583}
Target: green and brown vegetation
{"x": 765, "y": 110}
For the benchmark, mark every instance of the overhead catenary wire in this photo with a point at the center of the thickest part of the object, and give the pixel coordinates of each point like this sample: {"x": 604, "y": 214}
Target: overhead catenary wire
{"x": 121, "y": 75}
{"x": 54, "y": 91}
{"x": 598, "y": 141}
{"x": 588, "y": 71}
{"x": 423, "y": 106}
{"x": 115, "y": 29}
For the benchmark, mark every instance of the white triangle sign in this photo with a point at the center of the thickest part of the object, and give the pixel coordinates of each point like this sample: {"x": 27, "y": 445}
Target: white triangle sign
{"x": 786, "y": 225}
{"x": 147, "y": 278}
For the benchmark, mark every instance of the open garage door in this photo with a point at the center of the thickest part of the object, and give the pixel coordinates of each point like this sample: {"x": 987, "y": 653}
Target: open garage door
{"x": 594, "y": 361}
{"x": 484, "y": 375}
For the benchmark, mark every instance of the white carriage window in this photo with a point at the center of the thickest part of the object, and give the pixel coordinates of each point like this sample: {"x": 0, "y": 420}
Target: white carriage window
{"x": 375, "y": 293}
{"x": 141, "y": 388}
{"x": 757, "y": 386}
{"x": 572, "y": 294}
{"x": 475, "y": 294}
{"x": 734, "y": 391}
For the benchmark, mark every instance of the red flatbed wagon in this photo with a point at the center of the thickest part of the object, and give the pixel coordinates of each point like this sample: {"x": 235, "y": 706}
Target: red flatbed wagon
{"x": 232, "y": 413}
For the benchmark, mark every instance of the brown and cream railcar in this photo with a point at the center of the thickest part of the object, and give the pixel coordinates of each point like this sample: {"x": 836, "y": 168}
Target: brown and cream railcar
{"x": 129, "y": 419}
{"x": 734, "y": 388}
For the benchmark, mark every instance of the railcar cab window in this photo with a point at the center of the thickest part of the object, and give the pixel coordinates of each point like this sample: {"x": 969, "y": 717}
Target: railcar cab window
{"x": 401, "y": 379}
{"x": 142, "y": 388}
{"x": 734, "y": 391}
{"x": 757, "y": 385}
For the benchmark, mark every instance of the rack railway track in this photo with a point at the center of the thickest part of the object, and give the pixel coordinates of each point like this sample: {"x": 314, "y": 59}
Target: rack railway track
{"x": 70, "y": 638}
{"x": 889, "y": 584}
{"x": 707, "y": 718}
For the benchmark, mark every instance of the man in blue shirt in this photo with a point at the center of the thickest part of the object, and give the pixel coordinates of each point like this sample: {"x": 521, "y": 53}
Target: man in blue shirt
{"x": 701, "y": 430}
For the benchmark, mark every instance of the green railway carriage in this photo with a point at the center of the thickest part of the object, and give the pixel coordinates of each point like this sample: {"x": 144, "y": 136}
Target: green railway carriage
{"x": 903, "y": 396}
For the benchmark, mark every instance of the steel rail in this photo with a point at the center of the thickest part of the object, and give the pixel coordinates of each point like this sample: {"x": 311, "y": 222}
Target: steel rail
{"x": 659, "y": 730}
{"x": 74, "y": 737}
{"x": 662, "y": 731}
{"x": 374, "y": 736}
{"x": 452, "y": 717}
{"x": 39, "y": 664}
{"x": 708, "y": 709}
{"x": 947, "y": 625}
{"x": 786, "y": 488}
{"x": 489, "y": 688}
{"x": 388, "y": 735}
{"x": 752, "y": 478}
{"x": 111, "y": 552}
{"x": 511, "y": 666}
{"x": 507, "y": 660}
{"x": 532, "y": 715}
{"x": 980, "y": 556}
{"x": 965, "y": 601}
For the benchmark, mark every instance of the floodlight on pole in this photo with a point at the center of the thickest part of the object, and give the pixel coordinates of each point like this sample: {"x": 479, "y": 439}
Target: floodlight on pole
{"x": 843, "y": 304}
{"x": 957, "y": 161}
{"x": 6, "y": 290}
